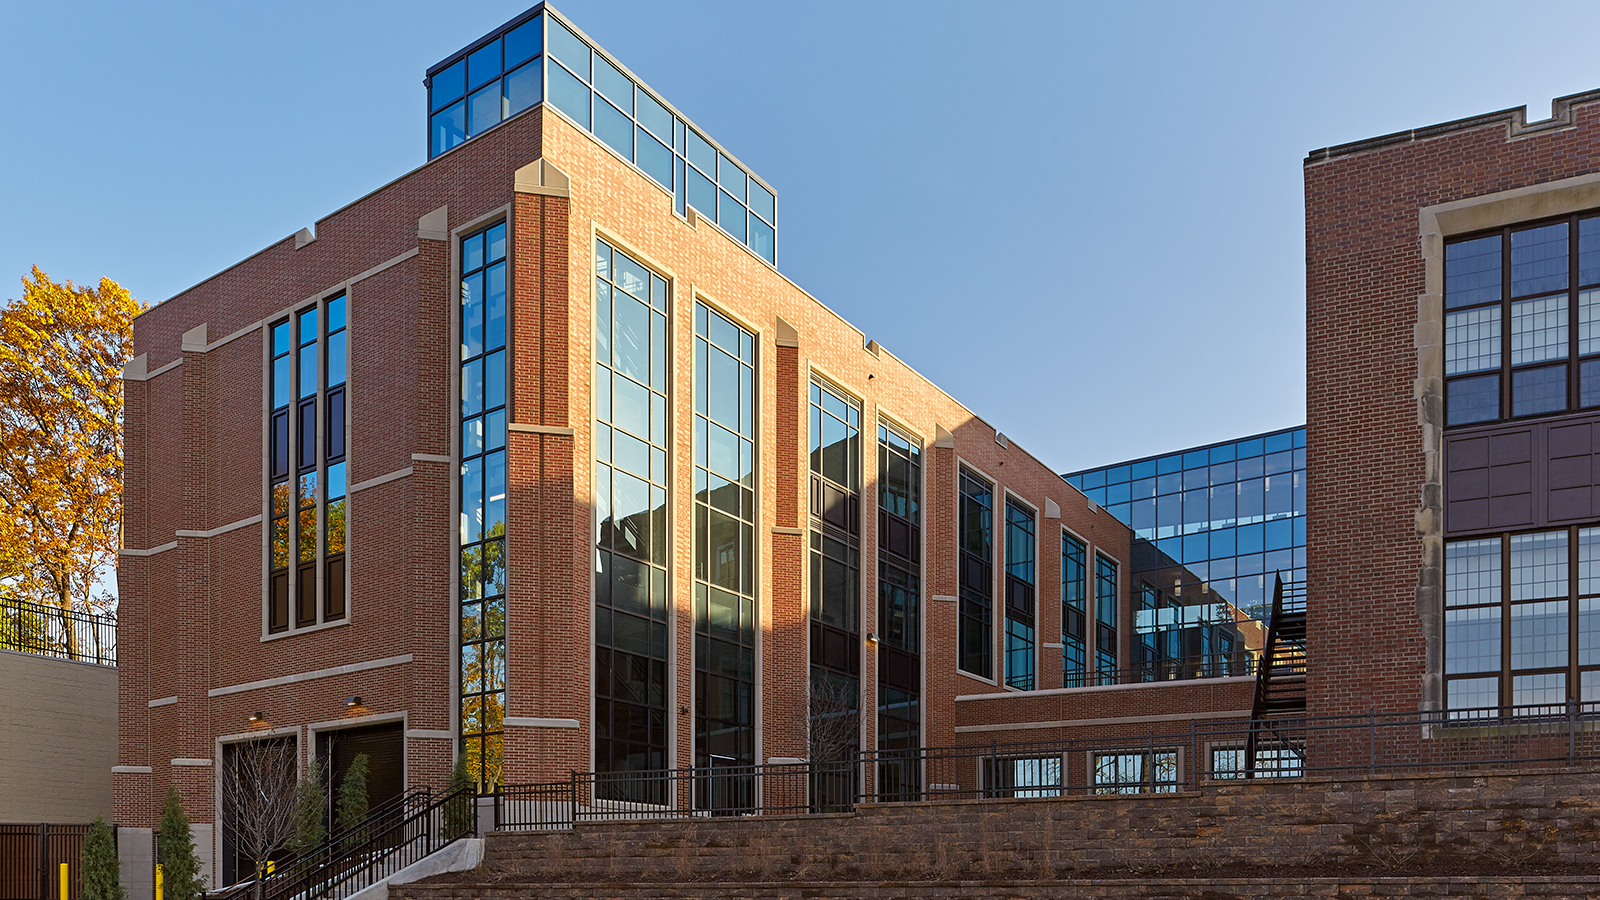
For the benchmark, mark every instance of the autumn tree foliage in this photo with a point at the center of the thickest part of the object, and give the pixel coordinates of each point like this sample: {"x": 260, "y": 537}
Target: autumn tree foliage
{"x": 62, "y": 348}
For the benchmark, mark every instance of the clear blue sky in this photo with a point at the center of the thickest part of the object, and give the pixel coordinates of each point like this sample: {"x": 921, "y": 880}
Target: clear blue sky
{"x": 1082, "y": 220}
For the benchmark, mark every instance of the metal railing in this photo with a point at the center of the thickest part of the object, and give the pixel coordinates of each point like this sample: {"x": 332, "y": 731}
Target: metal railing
{"x": 1186, "y": 668}
{"x": 1186, "y": 757}
{"x": 29, "y": 627}
{"x": 392, "y": 837}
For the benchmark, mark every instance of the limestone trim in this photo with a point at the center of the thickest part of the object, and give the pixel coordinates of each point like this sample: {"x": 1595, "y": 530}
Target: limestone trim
{"x": 534, "y": 722}
{"x": 429, "y": 734}
{"x": 381, "y": 479}
{"x": 430, "y": 457}
{"x": 191, "y": 761}
{"x": 400, "y": 660}
{"x": 172, "y": 545}
{"x": 164, "y": 701}
{"x": 518, "y": 427}
{"x": 224, "y": 529}
{"x": 131, "y": 770}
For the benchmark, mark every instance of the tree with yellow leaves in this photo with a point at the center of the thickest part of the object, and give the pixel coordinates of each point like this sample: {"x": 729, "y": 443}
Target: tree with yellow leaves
{"x": 62, "y": 348}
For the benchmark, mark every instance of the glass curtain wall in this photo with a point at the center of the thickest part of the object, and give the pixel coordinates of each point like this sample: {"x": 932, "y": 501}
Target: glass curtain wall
{"x": 1212, "y": 527}
{"x": 1020, "y": 555}
{"x": 899, "y": 605}
{"x": 835, "y": 573}
{"x": 631, "y": 497}
{"x": 724, "y": 550}
{"x": 482, "y": 517}
{"x": 975, "y": 644}
{"x": 307, "y": 511}
{"x": 1074, "y": 610}
{"x": 501, "y": 76}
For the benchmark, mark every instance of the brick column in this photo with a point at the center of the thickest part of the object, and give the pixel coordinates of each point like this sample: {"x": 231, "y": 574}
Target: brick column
{"x": 130, "y": 786}
{"x": 785, "y": 657}
{"x": 186, "y": 634}
{"x": 549, "y": 561}
{"x": 941, "y": 571}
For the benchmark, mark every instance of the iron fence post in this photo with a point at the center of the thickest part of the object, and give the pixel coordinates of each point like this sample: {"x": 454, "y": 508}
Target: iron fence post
{"x": 1194, "y": 757}
{"x": 1572, "y": 729}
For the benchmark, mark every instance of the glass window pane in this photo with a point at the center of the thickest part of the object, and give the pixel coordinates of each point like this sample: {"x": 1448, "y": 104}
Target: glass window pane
{"x": 1474, "y": 399}
{"x": 763, "y": 240}
{"x": 336, "y": 358}
{"x": 524, "y": 88}
{"x": 1547, "y": 689}
{"x": 1472, "y": 572}
{"x": 631, "y": 338}
{"x": 1538, "y": 390}
{"x": 569, "y": 94}
{"x": 494, "y": 288}
{"x": 1538, "y": 330}
{"x": 1472, "y": 272}
{"x": 731, "y": 177}
{"x": 655, "y": 158}
{"x": 614, "y": 127}
{"x": 730, "y": 215}
{"x": 653, "y": 116}
{"x": 449, "y": 127}
{"x": 702, "y": 194}
{"x": 1589, "y": 561}
{"x": 612, "y": 83}
{"x": 1589, "y": 251}
{"x": 565, "y": 46}
{"x": 1539, "y": 635}
{"x": 701, "y": 154}
{"x": 449, "y": 85}
{"x": 1589, "y": 383}
{"x": 484, "y": 64}
{"x": 471, "y": 315}
{"x": 762, "y": 203}
{"x": 1472, "y": 340}
{"x": 1539, "y": 259}
{"x": 1474, "y": 693}
{"x": 524, "y": 41}
{"x": 1538, "y": 565}
{"x": 1472, "y": 639}
{"x": 336, "y": 313}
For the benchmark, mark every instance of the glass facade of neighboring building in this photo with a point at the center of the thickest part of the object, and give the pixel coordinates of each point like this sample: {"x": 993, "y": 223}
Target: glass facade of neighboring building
{"x": 539, "y": 56}
{"x": 1212, "y": 527}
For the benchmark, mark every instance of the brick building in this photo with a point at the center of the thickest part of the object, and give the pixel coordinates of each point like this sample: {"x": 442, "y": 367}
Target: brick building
{"x": 1451, "y": 389}
{"x": 533, "y": 456}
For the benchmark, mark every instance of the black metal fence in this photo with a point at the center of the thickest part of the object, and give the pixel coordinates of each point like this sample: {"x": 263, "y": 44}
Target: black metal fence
{"x": 1185, "y": 757}
{"x": 394, "y": 836}
{"x": 31, "y": 858}
{"x": 62, "y": 633}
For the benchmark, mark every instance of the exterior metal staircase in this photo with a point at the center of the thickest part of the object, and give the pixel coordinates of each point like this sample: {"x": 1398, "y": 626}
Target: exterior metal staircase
{"x": 1280, "y": 696}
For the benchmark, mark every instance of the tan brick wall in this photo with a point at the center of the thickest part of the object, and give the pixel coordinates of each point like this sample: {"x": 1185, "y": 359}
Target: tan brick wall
{"x": 58, "y": 739}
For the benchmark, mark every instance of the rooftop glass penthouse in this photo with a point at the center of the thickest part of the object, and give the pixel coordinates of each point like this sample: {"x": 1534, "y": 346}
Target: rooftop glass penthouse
{"x": 540, "y": 56}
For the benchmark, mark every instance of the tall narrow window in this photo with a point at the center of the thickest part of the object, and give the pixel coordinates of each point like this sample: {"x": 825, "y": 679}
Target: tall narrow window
{"x": 306, "y": 478}
{"x": 1020, "y": 554}
{"x": 482, "y": 517}
{"x": 899, "y": 606}
{"x": 1074, "y": 591}
{"x": 835, "y": 572}
{"x": 975, "y": 643}
{"x": 724, "y": 543}
{"x": 1106, "y": 619}
{"x": 632, "y": 601}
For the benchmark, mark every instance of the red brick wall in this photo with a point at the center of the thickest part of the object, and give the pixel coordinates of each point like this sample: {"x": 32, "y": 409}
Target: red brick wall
{"x": 1365, "y": 463}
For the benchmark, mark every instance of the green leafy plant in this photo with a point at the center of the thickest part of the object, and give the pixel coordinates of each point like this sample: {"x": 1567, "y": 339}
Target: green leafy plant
{"x": 101, "y": 879}
{"x": 180, "y": 868}
{"x": 353, "y": 802}
{"x": 458, "y": 812}
{"x": 308, "y": 809}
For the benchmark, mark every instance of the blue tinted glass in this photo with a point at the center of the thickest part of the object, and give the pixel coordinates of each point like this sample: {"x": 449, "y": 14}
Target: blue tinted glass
{"x": 1094, "y": 479}
{"x": 1299, "y": 531}
{"x": 762, "y": 203}
{"x": 1196, "y": 459}
{"x": 615, "y": 85}
{"x": 1254, "y": 467}
{"x": 655, "y": 158}
{"x": 1146, "y": 469}
{"x": 1252, "y": 538}
{"x": 483, "y": 109}
{"x": 731, "y": 177}
{"x": 336, "y": 358}
{"x": 494, "y": 380}
{"x": 1474, "y": 399}
{"x": 1222, "y": 454}
{"x": 1250, "y": 448}
{"x": 1116, "y": 473}
{"x": 1538, "y": 390}
{"x": 1472, "y": 272}
{"x": 280, "y": 380}
{"x": 449, "y": 85}
{"x": 730, "y": 215}
{"x": 653, "y": 116}
{"x": 565, "y": 46}
{"x": 702, "y": 194}
{"x": 484, "y": 64}
{"x": 763, "y": 240}
{"x": 1280, "y": 442}
{"x": 495, "y": 243}
{"x": 308, "y": 327}
{"x": 1098, "y": 495}
{"x": 1196, "y": 548}
{"x": 495, "y": 317}
{"x": 1168, "y": 464}
{"x": 1144, "y": 487}
{"x": 1539, "y": 259}
{"x": 1167, "y": 484}
{"x": 701, "y": 154}
{"x": 614, "y": 127}
{"x": 472, "y": 253}
{"x": 280, "y": 338}
{"x": 1222, "y": 542}
{"x": 1280, "y": 534}
{"x": 680, "y": 197}
{"x": 523, "y": 42}
{"x": 1118, "y": 493}
{"x": 524, "y": 88}
{"x": 449, "y": 128}
{"x": 1121, "y": 511}
{"x": 1223, "y": 473}
{"x": 336, "y": 313}
{"x": 569, "y": 94}
{"x": 1280, "y": 462}
{"x": 1172, "y": 547}
{"x": 1300, "y": 437}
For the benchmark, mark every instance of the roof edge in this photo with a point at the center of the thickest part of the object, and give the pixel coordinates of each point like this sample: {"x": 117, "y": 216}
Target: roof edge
{"x": 1514, "y": 118}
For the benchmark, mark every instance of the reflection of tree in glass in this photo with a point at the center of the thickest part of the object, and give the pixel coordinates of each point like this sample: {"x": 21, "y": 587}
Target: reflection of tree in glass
{"x": 483, "y": 566}
{"x": 335, "y": 527}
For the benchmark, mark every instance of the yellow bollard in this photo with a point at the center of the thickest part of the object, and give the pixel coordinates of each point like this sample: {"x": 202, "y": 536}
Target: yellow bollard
{"x": 158, "y": 881}
{"x": 63, "y": 881}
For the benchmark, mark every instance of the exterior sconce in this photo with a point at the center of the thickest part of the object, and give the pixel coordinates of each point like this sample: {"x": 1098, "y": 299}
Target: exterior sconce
{"x": 258, "y": 718}
{"x": 872, "y": 637}
{"x": 352, "y": 702}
